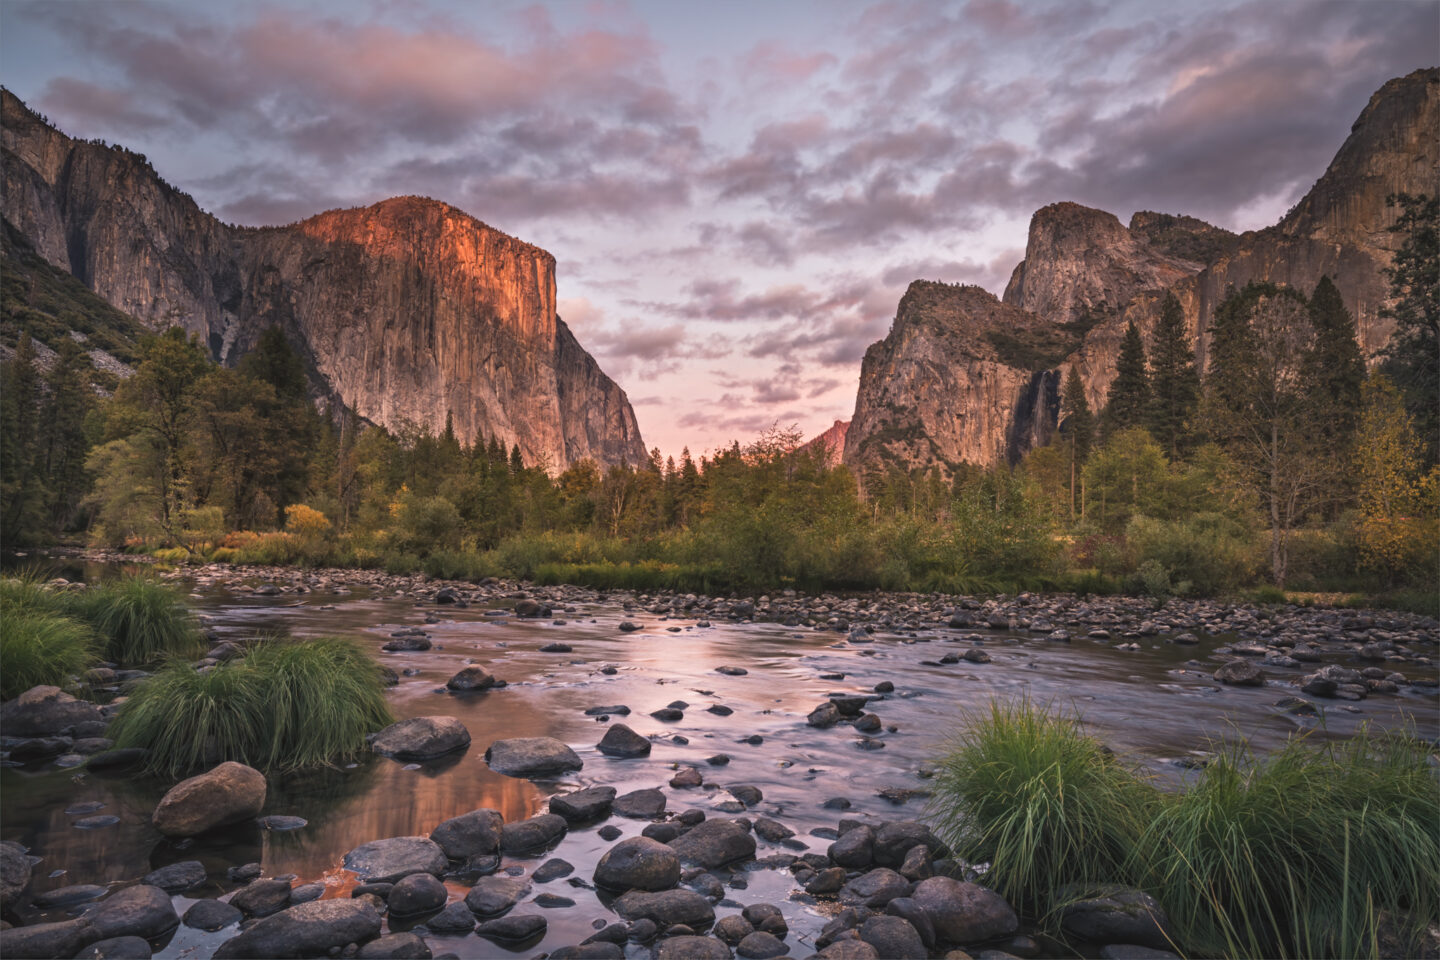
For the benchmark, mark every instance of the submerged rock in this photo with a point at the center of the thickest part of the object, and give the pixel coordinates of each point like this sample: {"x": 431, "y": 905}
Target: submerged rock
{"x": 532, "y": 757}
{"x": 421, "y": 738}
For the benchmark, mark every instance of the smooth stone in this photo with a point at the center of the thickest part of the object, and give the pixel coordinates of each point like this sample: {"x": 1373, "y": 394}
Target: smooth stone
{"x": 416, "y": 894}
{"x": 455, "y": 918}
{"x": 640, "y": 804}
{"x": 1117, "y": 914}
{"x": 471, "y": 679}
{"x": 386, "y": 861}
{"x": 492, "y": 896}
{"x": 1240, "y": 673}
{"x": 541, "y": 757}
{"x": 553, "y": 869}
{"x": 229, "y": 793}
{"x": 46, "y": 711}
{"x": 307, "y": 892}
{"x": 874, "y": 889}
{"x": 638, "y": 863}
{"x": 395, "y": 946}
{"x": 45, "y": 940}
{"x": 762, "y": 946}
{"x": 141, "y": 911}
{"x": 534, "y": 833}
{"x": 68, "y": 896}
{"x": 513, "y": 929}
{"x": 472, "y": 834}
{"x": 117, "y": 948}
{"x": 666, "y": 908}
{"x": 305, "y": 930}
{"x": 262, "y": 898}
{"x": 15, "y": 871}
{"x": 714, "y": 843}
{"x": 894, "y": 938}
{"x": 691, "y": 948}
{"x": 211, "y": 915}
{"x": 620, "y": 741}
{"x": 421, "y": 738}
{"x": 584, "y": 805}
{"x": 964, "y": 912}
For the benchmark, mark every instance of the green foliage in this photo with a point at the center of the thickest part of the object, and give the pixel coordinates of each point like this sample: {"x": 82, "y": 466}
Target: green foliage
{"x": 286, "y": 705}
{"x": 1413, "y": 353}
{"x": 1210, "y": 553}
{"x": 1128, "y": 403}
{"x": 39, "y": 647}
{"x": 1299, "y": 854}
{"x": 1174, "y": 381}
{"x": 140, "y": 621}
{"x": 1030, "y": 793}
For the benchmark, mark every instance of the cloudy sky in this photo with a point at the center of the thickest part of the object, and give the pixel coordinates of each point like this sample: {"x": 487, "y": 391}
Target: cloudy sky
{"x": 737, "y": 194}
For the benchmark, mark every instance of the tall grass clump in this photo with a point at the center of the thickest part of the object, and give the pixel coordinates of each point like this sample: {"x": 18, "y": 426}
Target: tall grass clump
{"x": 139, "y": 620}
{"x": 285, "y": 706}
{"x": 39, "y": 647}
{"x": 1301, "y": 853}
{"x": 1030, "y": 793}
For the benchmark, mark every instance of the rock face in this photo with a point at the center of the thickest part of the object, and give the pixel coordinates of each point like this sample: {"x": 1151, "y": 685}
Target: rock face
{"x": 965, "y": 377}
{"x": 406, "y": 310}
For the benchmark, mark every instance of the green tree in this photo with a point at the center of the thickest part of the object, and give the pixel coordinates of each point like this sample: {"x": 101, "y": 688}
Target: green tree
{"x": 1334, "y": 370}
{"x": 1128, "y": 403}
{"x": 22, "y": 494}
{"x": 62, "y": 442}
{"x": 1174, "y": 381}
{"x": 1260, "y": 409}
{"x": 1413, "y": 353}
{"x": 1077, "y": 429}
{"x": 1399, "y": 530}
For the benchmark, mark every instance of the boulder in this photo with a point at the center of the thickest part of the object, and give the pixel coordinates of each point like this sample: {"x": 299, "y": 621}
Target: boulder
{"x": 874, "y": 889}
{"x": 385, "y": 861}
{"x": 621, "y": 741}
{"x": 666, "y": 908}
{"x": 640, "y": 804}
{"x": 638, "y": 863}
{"x": 908, "y": 909}
{"x": 176, "y": 877}
{"x": 227, "y": 794}
{"x": 421, "y": 738}
{"x": 396, "y": 946}
{"x": 492, "y": 896}
{"x": 211, "y": 915}
{"x": 761, "y": 946}
{"x": 583, "y": 806}
{"x": 1240, "y": 673}
{"x": 455, "y": 918}
{"x": 848, "y": 950}
{"x": 117, "y": 948}
{"x": 540, "y": 757}
{"x": 262, "y": 898}
{"x": 44, "y": 940}
{"x": 894, "y": 938}
{"x": 1116, "y": 914}
{"x": 895, "y": 839}
{"x": 532, "y": 834}
{"x": 416, "y": 894}
{"x": 46, "y": 711}
{"x": 691, "y": 948}
{"x": 471, "y": 679}
{"x": 855, "y": 848}
{"x": 138, "y": 911}
{"x": 306, "y": 930}
{"x": 15, "y": 869}
{"x": 472, "y": 834}
{"x": 964, "y": 912}
{"x": 714, "y": 843}
{"x": 825, "y": 715}
{"x": 513, "y": 929}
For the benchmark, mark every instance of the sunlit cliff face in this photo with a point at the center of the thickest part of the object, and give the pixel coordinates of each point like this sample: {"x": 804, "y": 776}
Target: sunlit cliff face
{"x": 738, "y": 197}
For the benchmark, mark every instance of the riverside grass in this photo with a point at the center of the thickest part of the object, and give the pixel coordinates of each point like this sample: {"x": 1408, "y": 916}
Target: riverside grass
{"x": 38, "y": 647}
{"x": 137, "y": 621}
{"x": 285, "y": 706}
{"x": 1322, "y": 849}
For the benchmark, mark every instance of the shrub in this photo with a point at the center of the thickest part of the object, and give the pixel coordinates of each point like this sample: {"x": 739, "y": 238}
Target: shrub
{"x": 171, "y": 555}
{"x": 37, "y": 647}
{"x": 139, "y": 620}
{"x": 287, "y": 705}
{"x": 1299, "y": 853}
{"x": 1046, "y": 805}
{"x": 1212, "y": 552}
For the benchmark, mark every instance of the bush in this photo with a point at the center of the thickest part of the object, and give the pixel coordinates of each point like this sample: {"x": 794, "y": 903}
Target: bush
{"x": 1213, "y": 553}
{"x": 139, "y": 620}
{"x": 1298, "y": 854}
{"x": 287, "y": 705}
{"x": 1046, "y": 805}
{"x": 37, "y": 647}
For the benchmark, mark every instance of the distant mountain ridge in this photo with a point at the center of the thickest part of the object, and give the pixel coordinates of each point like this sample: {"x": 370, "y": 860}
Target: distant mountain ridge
{"x": 965, "y": 377}
{"x": 405, "y": 311}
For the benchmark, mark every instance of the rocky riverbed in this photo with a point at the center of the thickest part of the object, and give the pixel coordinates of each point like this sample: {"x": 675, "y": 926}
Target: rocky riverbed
{"x": 641, "y": 770}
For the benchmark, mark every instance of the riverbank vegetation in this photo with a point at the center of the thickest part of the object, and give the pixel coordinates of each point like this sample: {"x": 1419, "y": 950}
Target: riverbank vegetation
{"x": 1322, "y": 849}
{"x": 1284, "y": 467}
{"x": 283, "y": 706}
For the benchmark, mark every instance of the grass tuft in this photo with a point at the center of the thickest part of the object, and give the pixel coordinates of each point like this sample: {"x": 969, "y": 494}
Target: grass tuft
{"x": 287, "y": 705}
{"x": 38, "y": 647}
{"x": 140, "y": 620}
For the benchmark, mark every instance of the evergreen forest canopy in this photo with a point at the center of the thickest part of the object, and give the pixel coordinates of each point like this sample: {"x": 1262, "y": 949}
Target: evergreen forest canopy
{"x": 1284, "y": 463}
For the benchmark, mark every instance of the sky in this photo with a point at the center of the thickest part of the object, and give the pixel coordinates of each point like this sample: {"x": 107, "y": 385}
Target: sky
{"x": 736, "y": 194}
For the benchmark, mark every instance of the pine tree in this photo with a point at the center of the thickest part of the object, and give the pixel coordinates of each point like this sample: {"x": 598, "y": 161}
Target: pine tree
{"x": 1174, "y": 381}
{"x": 1413, "y": 354}
{"x": 1334, "y": 370}
{"x": 1077, "y": 426}
{"x": 1129, "y": 401}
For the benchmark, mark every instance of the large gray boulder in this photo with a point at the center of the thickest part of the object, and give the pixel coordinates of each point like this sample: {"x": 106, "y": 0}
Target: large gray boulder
{"x": 584, "y": 805}
{"x": 667, "y": 908}
{"x": 492, "y": 896}
{"x": 638, "y": 863}
{"x": 138, "y": 911}
{"x": 307, "y": 930}
{"x": 874, "y": 889}
{"x": 44, "y": 940}
{"x": 964, "y": 912}
{"x": 421, "y": 738}
{"x": 227, "y": 794}
{"x": 532, "y": 834}
{"x": 893, "y": 938}
{"x": 532, "y": 757}
{"x": 385, "y": 861}
{"x": 714, "y": 843}
{"x": 895, "y": 839}
{"x": 472, "y": 834}
{"x": 621, "y": 741}
{"x": 46, "y": 711}
{"x": 1117, "y": 914}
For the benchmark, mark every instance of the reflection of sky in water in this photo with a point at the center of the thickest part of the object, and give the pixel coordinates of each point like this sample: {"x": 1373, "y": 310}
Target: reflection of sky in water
{"x": 1149, "y": 703}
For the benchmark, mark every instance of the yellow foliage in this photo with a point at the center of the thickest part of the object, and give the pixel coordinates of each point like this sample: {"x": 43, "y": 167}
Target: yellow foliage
{"x": 306, "y": 522}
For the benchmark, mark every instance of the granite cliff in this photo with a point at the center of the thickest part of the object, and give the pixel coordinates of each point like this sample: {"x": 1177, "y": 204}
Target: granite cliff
{"x": 963, "y": 376}
{"x": 405, "y": 311}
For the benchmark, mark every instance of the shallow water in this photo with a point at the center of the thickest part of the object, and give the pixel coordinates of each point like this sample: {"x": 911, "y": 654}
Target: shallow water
{"x": 1148, "y": 704}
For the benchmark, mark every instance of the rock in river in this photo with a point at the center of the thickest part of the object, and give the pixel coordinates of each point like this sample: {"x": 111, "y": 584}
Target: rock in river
{"x": 714, "y": 843}
{"x": 227, "y": 794}
{"x": 138, "y": 911}
{"x": 964, "y": 912}
{"x": 385, "y": 861}
{"x": 532, "y": 834}
{"x": 584, "y": 805}
{"x": 307, "y": 930}
{"x": 1240, "y": 673}
{"x": 471, "y": 679}
{"x": 421, "y": 738}
{"x": 472, "y": 834}
{"x": 667, "y": 908}
{"x": 45, "y": 711}
{"x": 638, "y": 863}
{"x": 1116, "y": 914}
{"x": 621, "y": 741}
{"x": 532, "y": 757}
